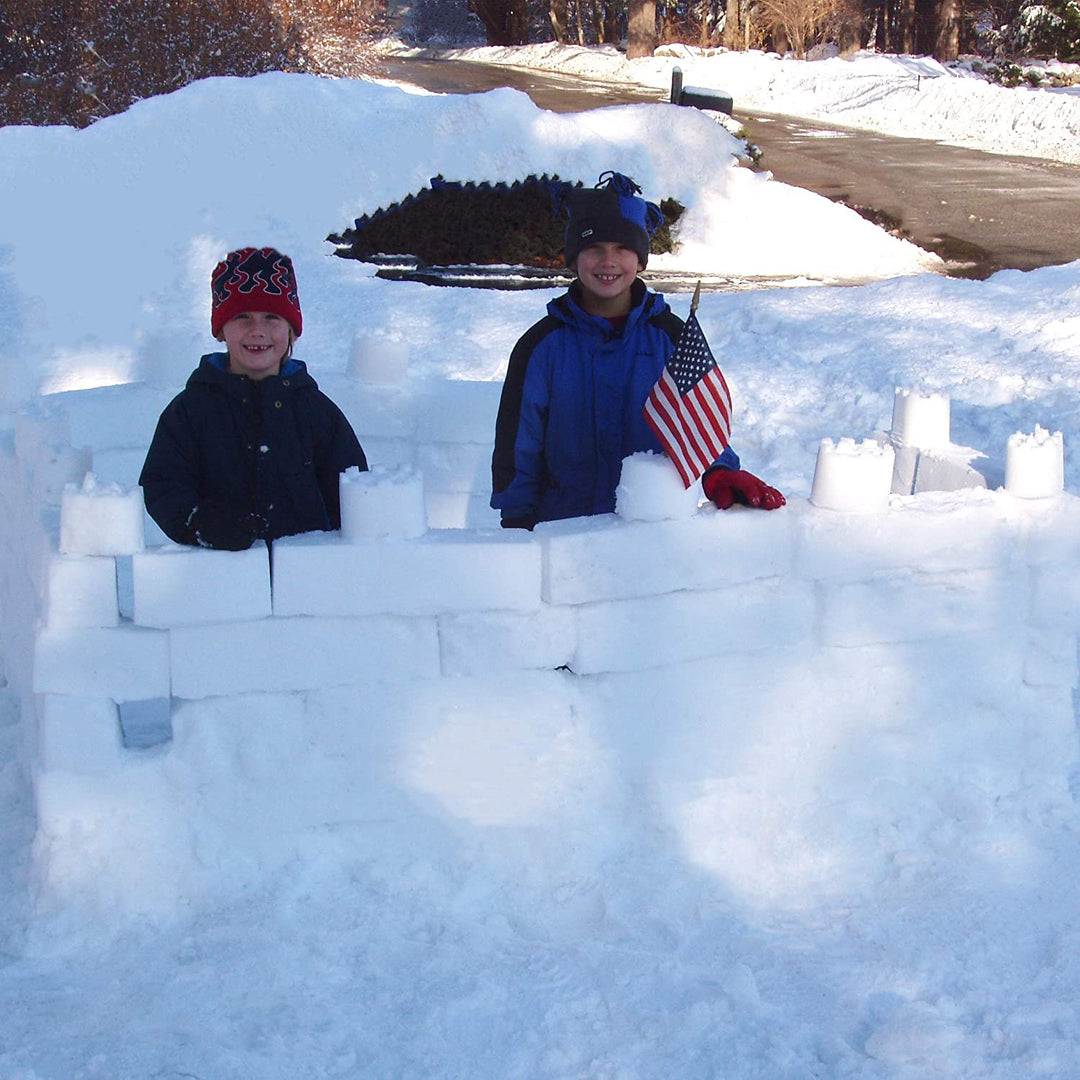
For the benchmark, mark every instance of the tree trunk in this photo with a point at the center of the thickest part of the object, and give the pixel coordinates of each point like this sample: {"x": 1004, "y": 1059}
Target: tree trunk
{"x": 731, "y": 25}
{"x": 580, "y": 21}
{"x": 611, "y": 22}
{"x": 906, "y": 28}
{"x": 557, "y": 13}
{"x": 946, "y": 30}
{"x": 505, "y": 22}
{"x": 641, "y": 29}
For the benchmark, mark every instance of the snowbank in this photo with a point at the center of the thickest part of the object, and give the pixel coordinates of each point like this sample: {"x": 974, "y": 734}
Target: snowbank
{"x": 908, "y": 96}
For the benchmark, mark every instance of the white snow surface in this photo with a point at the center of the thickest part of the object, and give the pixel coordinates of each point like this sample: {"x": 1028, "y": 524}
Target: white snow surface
{"x": 912, "y": 96}
{"x": 865, "y": 866}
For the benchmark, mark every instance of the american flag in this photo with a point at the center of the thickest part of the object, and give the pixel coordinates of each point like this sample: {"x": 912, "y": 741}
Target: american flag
{"x": 689, "y": 408}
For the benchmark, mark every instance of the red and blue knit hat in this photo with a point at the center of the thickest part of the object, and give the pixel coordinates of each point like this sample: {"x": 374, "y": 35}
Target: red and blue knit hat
{"x": 611, "y": 212}
{"x": 254, "y": 279}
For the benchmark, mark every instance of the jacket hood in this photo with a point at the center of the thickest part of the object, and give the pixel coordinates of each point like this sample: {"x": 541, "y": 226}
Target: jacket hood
{"x": 213, "y": 371}
{"x": 644, "y": 304}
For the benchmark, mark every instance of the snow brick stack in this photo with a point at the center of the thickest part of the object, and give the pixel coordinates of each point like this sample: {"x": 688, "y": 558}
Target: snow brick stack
{"x": 926, "y": 458}
{"x": 392, "y": 628}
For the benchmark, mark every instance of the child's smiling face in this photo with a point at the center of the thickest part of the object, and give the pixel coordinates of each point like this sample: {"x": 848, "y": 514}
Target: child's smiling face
{"x": 606, "y": 271}
{"x": 258, "y": 342}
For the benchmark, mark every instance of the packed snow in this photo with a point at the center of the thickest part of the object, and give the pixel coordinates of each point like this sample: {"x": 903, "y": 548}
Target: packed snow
{"x": 797, "y": 801}
{"x": 912, "y": 96}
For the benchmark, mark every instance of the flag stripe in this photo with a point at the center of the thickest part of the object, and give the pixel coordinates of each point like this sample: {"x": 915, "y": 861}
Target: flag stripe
{"x": 661, "y": 417}
{"x": 689, "y": 408}
{"x": 668, "y": 429}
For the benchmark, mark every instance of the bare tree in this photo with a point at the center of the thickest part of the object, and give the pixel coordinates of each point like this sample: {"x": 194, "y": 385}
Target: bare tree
{"x": 641, "y": 29}
{"x": 795, "y": 22}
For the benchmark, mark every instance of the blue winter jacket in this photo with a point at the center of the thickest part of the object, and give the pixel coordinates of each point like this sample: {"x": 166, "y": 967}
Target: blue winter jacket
{"x": 271, "y": 448}
{"x": 571, "y": 407}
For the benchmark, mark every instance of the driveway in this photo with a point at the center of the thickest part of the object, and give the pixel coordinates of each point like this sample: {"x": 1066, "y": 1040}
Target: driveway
{"x": 981, "y": 212}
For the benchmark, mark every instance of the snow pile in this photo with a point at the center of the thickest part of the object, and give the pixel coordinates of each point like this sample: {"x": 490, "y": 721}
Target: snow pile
{"x": 916, "y": 97}
{"x": 137, "y": 303}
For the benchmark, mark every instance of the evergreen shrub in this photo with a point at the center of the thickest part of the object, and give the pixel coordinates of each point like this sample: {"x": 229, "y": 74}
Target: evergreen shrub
{"x": 454, "y": 223}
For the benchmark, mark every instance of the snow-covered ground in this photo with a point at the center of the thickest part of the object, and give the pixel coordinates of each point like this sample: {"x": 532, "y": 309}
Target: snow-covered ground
{"x": 854, "y": 855}
{"x": 916, "y": 97}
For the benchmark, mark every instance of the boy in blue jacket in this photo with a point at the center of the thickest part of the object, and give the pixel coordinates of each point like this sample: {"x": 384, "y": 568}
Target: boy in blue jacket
{"x": 578, "y": 379}
{"x": 251, "y": 448}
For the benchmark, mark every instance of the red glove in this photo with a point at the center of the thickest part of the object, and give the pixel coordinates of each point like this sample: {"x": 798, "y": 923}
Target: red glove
{"x": 729, "y": 486}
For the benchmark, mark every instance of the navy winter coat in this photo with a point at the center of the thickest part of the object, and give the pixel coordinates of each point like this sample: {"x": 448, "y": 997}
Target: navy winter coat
{"x": 571, "y": 407}
{"x": 272, "y": 448}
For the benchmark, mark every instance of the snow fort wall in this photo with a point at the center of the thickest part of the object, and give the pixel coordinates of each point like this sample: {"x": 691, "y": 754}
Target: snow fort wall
{"x": 477, "y": 675}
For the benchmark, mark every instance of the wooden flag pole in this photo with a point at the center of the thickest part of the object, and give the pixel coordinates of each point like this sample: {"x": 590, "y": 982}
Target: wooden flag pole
{"x": 697, "y": 297}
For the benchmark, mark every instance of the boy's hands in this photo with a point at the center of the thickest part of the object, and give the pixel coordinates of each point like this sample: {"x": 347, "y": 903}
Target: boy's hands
{"x": 214, "y": 527}
{"x": 725, "y": 487}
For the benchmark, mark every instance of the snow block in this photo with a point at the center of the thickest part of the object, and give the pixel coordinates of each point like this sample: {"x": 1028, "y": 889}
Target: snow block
{"x": 948, "y": 470}
{"x": 477, "y": 644}
{"x": 101, "y": 520}
{"x": 459, "y": 510}
{"x": 183, "y": 586}
{"x": 320, "y": 574}
{"x": 382, "y": 503}
{"x": 125, "y": 663}
{"x": 375, "y": 412}
{"x": 967, "y": 530}
{"x": 378, "y": 358}
{"x": 630, "y": 635}
{"x": 55, "y": 468}
{"x": 81, "y": 591}
{"x": 599, "y": 558}
{"x": 905, "y": 463}
{"x": 457, "y": 411}
{"x": 920, "y": 419}
{"x": 36, "y": 430}
{"x": 120, "y": 466}
{"x": 1055, "y": 598}
{"x": 389, "y": 452}
{"x": 1053, "y": 530}
{"x": 282, "y": 655}
{"x": 650, "y": 489}
{"x": 853, "y": 477}
{"x": 455, "y": 466}
{"x": 1035, "y": 464}
{"x": 1050, "y": 659}
{"x": 94, "y": 416}
{"x": 914, "y": 606}
{"x": 78, "y": 734}
{"x": 144, "y": 724}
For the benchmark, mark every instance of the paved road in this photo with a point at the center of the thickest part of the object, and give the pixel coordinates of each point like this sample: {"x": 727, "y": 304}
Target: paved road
{"x": 981, "y": 212}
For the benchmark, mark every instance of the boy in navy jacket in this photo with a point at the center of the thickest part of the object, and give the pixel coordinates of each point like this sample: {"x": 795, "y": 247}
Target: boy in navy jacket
{"x": 251, "y": 448}
{"x": 578, "y": 379}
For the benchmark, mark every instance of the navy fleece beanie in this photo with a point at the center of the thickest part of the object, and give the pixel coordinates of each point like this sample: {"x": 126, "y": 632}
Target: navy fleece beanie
{"x": 611, "y": 212}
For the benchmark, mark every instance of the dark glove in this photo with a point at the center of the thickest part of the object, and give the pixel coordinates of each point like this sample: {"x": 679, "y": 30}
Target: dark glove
{"x": 518, "y": 523}
{"x": 725, "y": 487}
{"x": 223, "y": 530}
